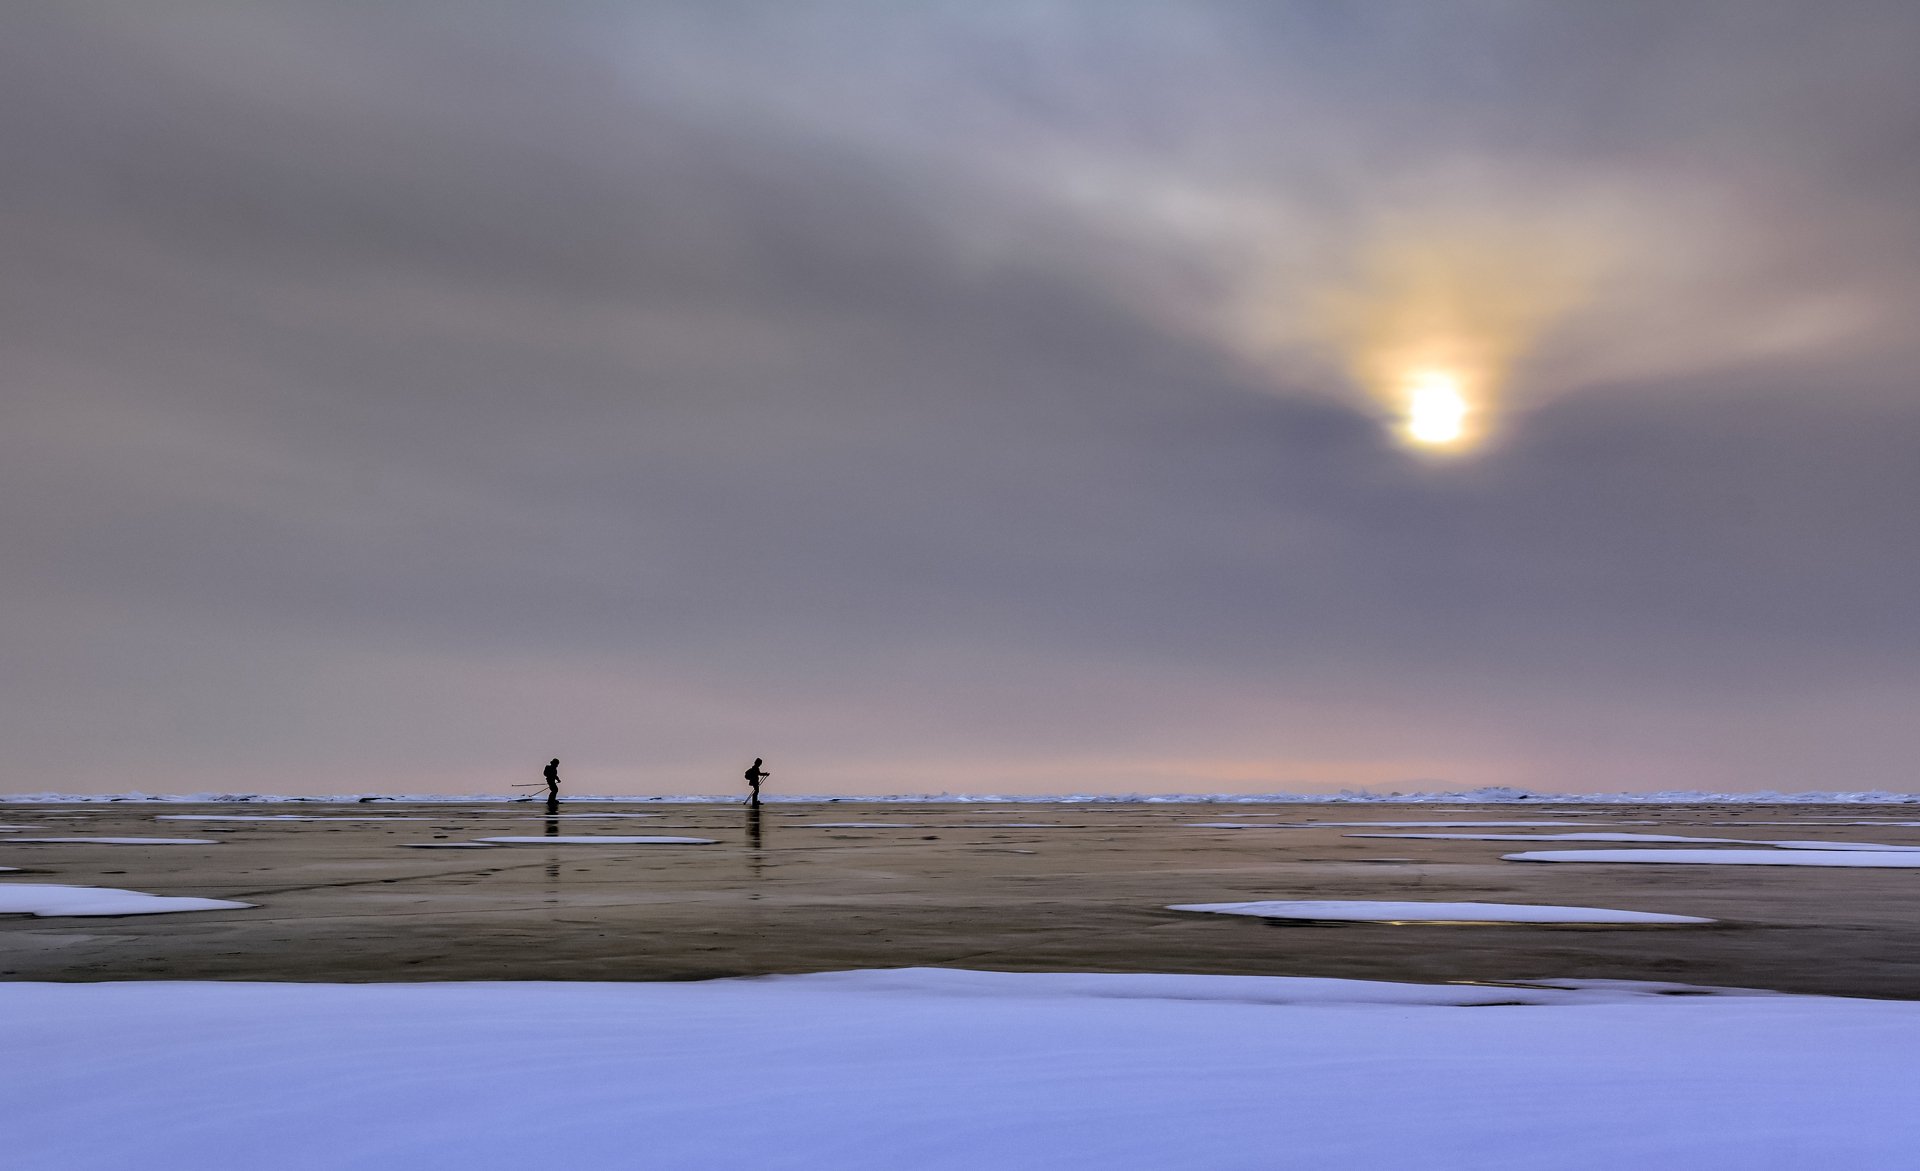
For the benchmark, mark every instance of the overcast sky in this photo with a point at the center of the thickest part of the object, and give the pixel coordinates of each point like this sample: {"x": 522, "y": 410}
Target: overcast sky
{"x": 967, "y": 396}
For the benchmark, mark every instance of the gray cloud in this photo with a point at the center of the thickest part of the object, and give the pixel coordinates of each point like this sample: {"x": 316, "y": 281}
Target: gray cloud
{"x": 396, "y": 394}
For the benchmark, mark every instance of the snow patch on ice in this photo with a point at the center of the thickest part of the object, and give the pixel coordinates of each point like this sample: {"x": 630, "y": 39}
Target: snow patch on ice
{"x": 1392, "y": 825}
{"x": 49, "y": 901}
{"x": 1458, "y": 824}
{"x": 1821, "y": 822}
{"x": 1369, "y": 911}
{"x": 281, "y": 817}
{"x": 1889, "y": 859}
{"x": 588, "y": 839}
{"x": 1822, "y": 845}
{"x": 1573, "y": 837}
{"x": 110, "y": 841}
{"x": 1628, "y": 837}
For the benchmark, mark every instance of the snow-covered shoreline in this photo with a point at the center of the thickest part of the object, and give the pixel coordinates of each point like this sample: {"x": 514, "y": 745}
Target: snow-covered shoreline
{"x": 1487, "y": 796}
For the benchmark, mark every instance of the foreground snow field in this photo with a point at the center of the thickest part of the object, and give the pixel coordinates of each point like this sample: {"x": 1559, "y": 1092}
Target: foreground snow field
{"x": 927, "y": 1068}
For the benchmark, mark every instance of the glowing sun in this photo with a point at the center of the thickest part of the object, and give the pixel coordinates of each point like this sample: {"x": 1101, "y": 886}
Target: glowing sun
{"x": 1435, "y": 412}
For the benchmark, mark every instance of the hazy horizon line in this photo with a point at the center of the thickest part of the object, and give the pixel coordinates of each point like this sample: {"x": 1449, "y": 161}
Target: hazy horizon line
{"x": 1483, "y": 795}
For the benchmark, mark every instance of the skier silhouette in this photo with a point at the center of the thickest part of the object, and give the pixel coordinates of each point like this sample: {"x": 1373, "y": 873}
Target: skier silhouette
{"x": 553, "y": 781}
{"x": 753, "y": 776}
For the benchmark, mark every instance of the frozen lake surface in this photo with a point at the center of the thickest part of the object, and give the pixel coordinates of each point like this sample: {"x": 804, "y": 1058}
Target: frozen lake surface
{"x": 1022, "y": 886}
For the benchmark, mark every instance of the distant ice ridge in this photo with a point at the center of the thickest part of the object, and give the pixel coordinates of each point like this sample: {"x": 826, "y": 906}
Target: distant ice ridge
{"x": 1496, "y": 795}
